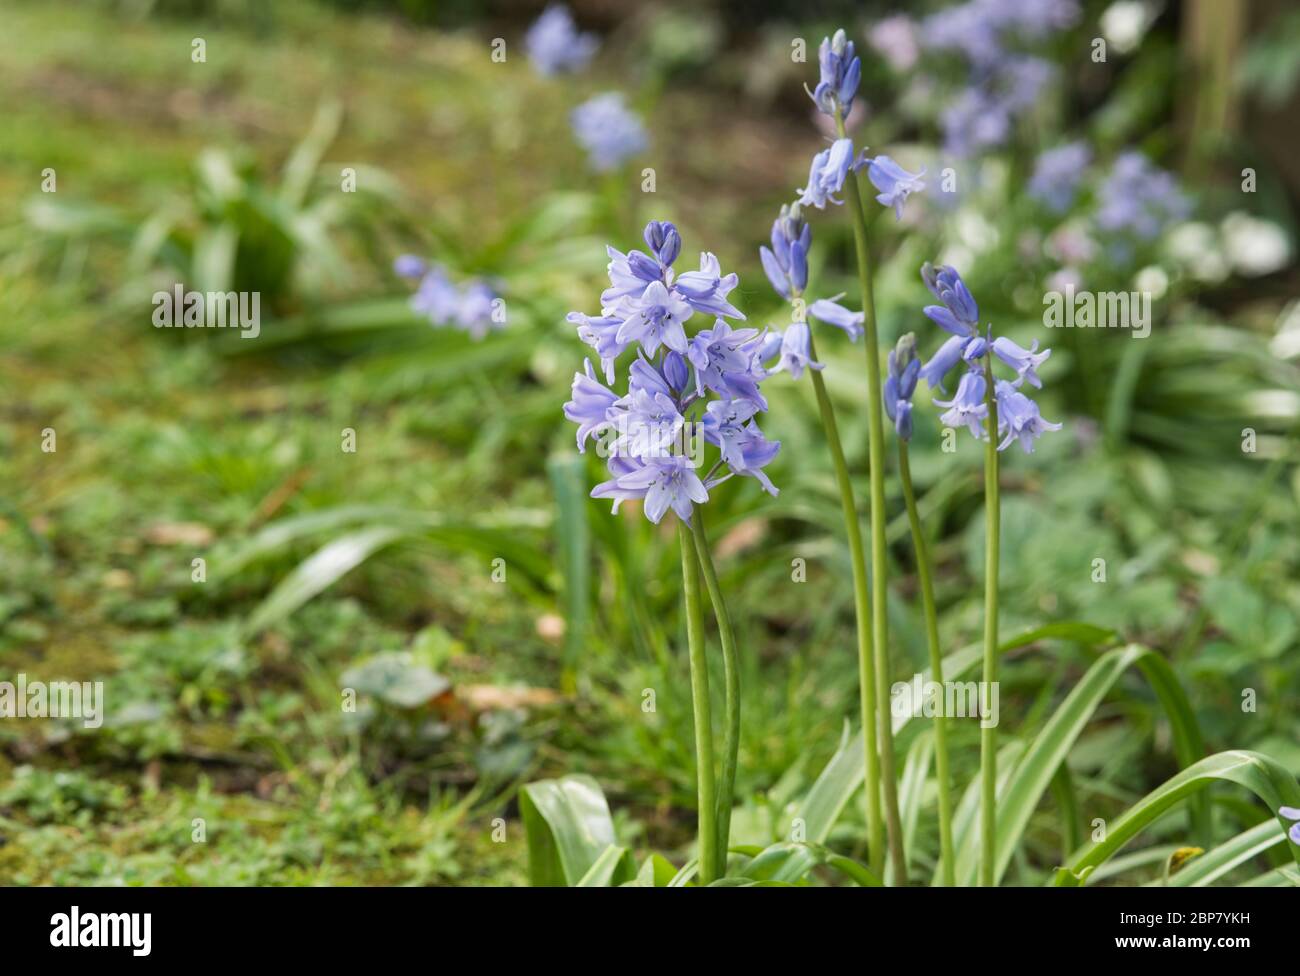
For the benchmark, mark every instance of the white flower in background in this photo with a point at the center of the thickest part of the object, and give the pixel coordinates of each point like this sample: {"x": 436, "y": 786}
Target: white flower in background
{"x": 1123, "y": 24}
{"x": 1254, "y": 247}
{"x": 1286, "y": 344}
{"x": 1195, "y": 245}
{"x": 1152, "y": 280}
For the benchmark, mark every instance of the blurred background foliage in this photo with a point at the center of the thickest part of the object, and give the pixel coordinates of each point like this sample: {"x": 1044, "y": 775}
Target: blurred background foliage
{"x": 378, "y": 570}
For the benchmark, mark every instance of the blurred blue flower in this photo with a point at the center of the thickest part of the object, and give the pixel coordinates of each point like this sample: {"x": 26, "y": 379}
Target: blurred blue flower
{"x": 554, "y": 43}
{"x": 1139, "y": 198}
{"x": 1057, "y": 175}
{"x": 474, "y": 308}
{"x": 608, "y": 130}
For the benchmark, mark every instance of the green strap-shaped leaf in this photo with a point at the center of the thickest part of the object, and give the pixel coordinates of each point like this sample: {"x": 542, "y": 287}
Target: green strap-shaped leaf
{"x": 844, "y": 773}
{"x": 569, "y": 828}
{"x": 1209, "y": 868}
{"x": 614, "y": 867}
{"x": 1264, "y": 777}
{"x": 1034, "y": 772}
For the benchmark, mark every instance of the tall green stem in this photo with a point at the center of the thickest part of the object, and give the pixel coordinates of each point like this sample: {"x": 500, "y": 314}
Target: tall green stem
{"x": 879, "y": 586}
{"x": 731, "y": 673}
{"x": 946, "y": 855}
{"x": 992, "y": 531}
{"x": 708, "y": 830}
{"x": 862, "y": 610}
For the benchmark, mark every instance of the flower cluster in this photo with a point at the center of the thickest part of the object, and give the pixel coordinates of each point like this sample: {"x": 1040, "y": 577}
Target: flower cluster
{"x": 608, "y": 130}
{"x": 647, "y": 434}
{"x": 1006, "y": 82}
{"x": 554, "y": 43}
{"x": 1138, "y": 198}
{"x": 1017, "y": 416}
{"x": 474, "y": 308}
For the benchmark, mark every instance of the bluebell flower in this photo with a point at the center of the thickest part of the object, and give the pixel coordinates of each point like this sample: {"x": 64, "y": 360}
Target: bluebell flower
{"x": 630, "y": 274}
{"x": 841, "y": 70}
{"x": 663, "y": 482}
{"x": 719, "y": 353}
{"x": 827, "y": 174}
{"x": 1291, "y": 813}
{"x": 590, "y": 406}
{"x": 894, "y": 183}
{"x": 706, "y": 290}
{"x": 554, "y": 43}
{"x": 664, "y": 241}
{"x": 1023, "y": 361}
{"x": 967, "y": 408}
{"x": 647, "y": 425}
{"x": 828, "y": 311}
{"x": 609, "y": 131}
{"x": 795, "y": 355}
{"x": 900, "y": 384}
{"x": 959, "y": 313}
{"x": 724, "y": 425}
{"x": 601, "y": 333}
{"x": 656, "y": 317}
{"x": 1018, "y": 417}
{"x": 942, "y": 362}
{"x": 756, "y": 452}
{"x": 786, "y": 263}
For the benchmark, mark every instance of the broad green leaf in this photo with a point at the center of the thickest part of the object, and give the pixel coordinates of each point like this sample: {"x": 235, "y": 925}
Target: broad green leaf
{"x": 656, "y": 872}
{"x": 1263, "y": 776}
{"x": 568, "y": 826}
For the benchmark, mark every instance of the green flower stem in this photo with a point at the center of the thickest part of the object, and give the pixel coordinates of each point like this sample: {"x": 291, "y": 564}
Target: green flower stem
{"x": 879, "y": 586}
{"x": 708, "y": 831}
{"x": 946, "y": 856}
{"x": 862, "y": 610}
{"x": 992, "y": 530}
{"x": 731, "y": 673}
